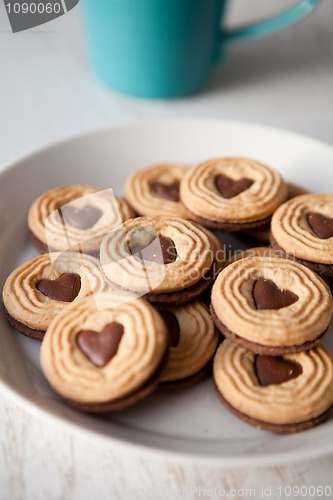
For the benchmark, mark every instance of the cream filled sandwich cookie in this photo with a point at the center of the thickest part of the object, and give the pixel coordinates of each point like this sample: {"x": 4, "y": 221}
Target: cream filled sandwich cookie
{"x": 302, "y": 229}
{"x": 271, "y": 305}
{"x": 232, "y": 194}
{"x": 155, "y": 190}
{"x": 283, "y": 394}
{"x": 105, "y": 352}
{"x": 39, "y": 289}
{"x": 75, "y": 216}
{"x": 167, "y": 259}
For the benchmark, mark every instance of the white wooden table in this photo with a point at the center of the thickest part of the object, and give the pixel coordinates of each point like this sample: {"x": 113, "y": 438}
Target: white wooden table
{"x": 47, "y": 93}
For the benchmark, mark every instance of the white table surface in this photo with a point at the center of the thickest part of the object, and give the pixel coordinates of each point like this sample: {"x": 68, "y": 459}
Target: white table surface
{"x": 47, "y": 93}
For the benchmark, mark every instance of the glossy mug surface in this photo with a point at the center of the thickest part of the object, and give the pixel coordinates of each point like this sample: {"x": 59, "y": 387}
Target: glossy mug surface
{"x": 165, "y": 48}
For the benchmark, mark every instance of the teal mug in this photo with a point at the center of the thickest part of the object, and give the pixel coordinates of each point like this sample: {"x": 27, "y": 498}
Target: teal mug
{"x": 166, "y": 48}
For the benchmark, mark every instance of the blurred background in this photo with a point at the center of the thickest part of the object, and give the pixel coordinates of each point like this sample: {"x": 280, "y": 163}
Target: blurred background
{"x": 47, "y": 91}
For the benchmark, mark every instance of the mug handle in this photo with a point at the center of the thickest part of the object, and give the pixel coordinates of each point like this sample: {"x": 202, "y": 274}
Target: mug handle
{"x": 275, "y": 23}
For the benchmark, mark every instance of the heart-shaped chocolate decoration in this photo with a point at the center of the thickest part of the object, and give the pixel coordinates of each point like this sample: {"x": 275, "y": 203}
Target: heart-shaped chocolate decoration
{"x": 267, "y": 295}
{"x": 161, "y": 250}
{"x": 321, "y": 225}
{"x": 64, "y": 289}
{"x": 172, "y": 326}
{"x": 100, "y": 347}
{"x": 82, "y": 218}
{"x": 275, "y": 369}
{"x": 229, "y": 188}
{"x": 167, "y": 191}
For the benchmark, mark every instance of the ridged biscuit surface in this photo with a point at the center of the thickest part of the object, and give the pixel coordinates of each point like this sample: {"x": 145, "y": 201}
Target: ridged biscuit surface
{"x": 48, "y": 223}
{"x": 194, "y": 255}
{"x": 302, "y": 321}
{"x": 25, "y": 303}
{"x": 147, "y": 190}
{"x": 141, "y": 349}
{"x": 300, "y": 399}
{"x": 292, "y": 232}
{"x": 199, "y": 193}
{"x": 197, "y": 342}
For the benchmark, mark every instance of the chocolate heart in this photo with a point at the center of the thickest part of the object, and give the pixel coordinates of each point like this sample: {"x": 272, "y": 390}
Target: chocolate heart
{"x": 229, "y": 188}
{"x": 172, "y": 326}
{"x": 321, "y": 225}
{"x": 82, "y": 218}
{"x": 267, "y": 295}
{"x": 100, "y": 347}
{"x": 64, "y": 289}
{"x": 169, "y": 192}
{"x": 161, "y": 250}
{"x": 275, "y": 369}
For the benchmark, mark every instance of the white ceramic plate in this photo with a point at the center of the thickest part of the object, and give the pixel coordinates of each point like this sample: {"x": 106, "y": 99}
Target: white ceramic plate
{"x": 190, "y": 425}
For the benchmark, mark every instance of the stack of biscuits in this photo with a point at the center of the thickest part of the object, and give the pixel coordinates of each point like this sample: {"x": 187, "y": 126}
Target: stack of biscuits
{"x": 118, "y": 295}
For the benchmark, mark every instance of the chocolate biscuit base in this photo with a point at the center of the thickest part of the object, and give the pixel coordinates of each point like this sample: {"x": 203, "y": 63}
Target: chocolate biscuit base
{"x": 39, "y": 245}
{"x": 330, "y": 283}
{"x": 124, "y": 402}
{"x": 43, "y": 248}
{"x": 261, "y": 348}
{"x": 255, "y": 238}
{"x": 24, "y": 329}
{"x": 227, "y": 226}
{"x": 178, "y": 298}
{"x": 324, "y": 270}
{"x": 268, "y": 426}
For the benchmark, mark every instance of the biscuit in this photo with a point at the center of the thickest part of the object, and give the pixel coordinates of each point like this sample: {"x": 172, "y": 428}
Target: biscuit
{"x": 166, "y": 259}
{"x": 193, "y": 341}
{"x": 39, "y": 289}
{"x": 271, "y": 305}
{"x": 155, "y": 190}
{"x": 75, "y": 216}
{"x": 105, "y": 352}
{"x": 232, "y": 194}
{"x": 279, "y": 394}
{"x": 302, "y": 229}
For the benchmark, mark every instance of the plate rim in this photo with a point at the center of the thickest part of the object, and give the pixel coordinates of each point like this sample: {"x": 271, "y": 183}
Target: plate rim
{"x": 66, "y": 139}
{"x": 140, "y": 449}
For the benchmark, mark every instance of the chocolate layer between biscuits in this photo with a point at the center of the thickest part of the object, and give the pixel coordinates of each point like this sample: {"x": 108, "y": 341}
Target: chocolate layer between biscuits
{"x": 24, "y": 329}
{"x": 324, "y": 270}
{"x": 39, "y": 245}
{"x": 178, "y": 298}
{"x": 124, "y": 402}
{"x": 227, "y": 226}
{"x": 288, "y": 428}
{"x": 261, "y": 348}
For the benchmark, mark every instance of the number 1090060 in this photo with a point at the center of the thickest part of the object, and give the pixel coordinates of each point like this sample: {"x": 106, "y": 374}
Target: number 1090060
{"x": 34, "y": 8}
